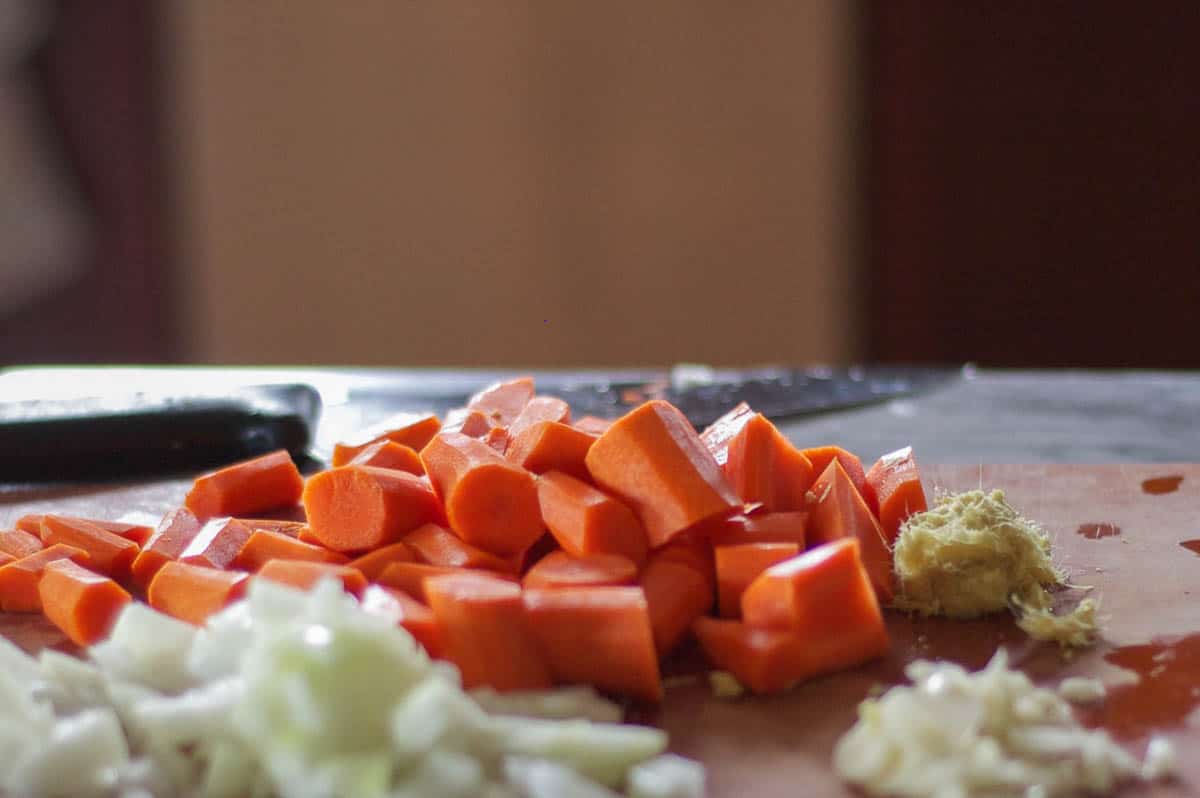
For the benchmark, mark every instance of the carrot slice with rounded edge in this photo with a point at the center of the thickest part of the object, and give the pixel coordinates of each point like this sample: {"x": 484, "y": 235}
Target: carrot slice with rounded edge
{"x": 764, "y": 467}
{"x": 20, "y": 543}
{"x": 592, "y": 425}
{"x": 597, "y": 635}
{"x": 110, "y": 555}
{"x": 81, "y": 603}
{"x": 389, "y": 454}
{"x": 194, "y": 592}
{"x": 896, "y": 482}
{"x": 409, "y": 577}
{"x": 305, "y": 535}
{"x": 304, "y": 574}
{"x": 483, "y": 630}
{"x": 490, "y": 503}
{"x": 354, "y": 508}
{"x": 653, "y": 461}
{"x": 787, "y": 527}
{"x": 138, "y": 533}
{"x": 6, "y": 558}
{"x": 290, "y": 528}
{"x": 410, "y": 429}
{"x": 174, "y": 532}
{"x": 503, "y": 401}
{"x": 676, "y": 594}
{"x": 373, "y": 562}
{"x": 251, "y": 486}
{"x": 560, "y": 569}
{"x": 408, "y": 613}
{"x": 537, "y": 410}
{"x": 472, "y": 423}
{"x": 550, "y": 446}
{"x": 498, "y": 439}
{"x": 217, "y": 544}
{"x": 264, "y": 545}
{"x": 738, "y": 565}
{"x": 822, "y": 456}
{"x": 19, "y": 578}
{"x": 585, "y": 520}
{"x": 436, "y": 545}
{"x": 717, "y": 435}
{"x": 840, "y": 512}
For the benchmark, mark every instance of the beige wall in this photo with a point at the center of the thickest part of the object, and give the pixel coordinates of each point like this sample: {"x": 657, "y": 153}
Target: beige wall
{"x": 548, "y": 183}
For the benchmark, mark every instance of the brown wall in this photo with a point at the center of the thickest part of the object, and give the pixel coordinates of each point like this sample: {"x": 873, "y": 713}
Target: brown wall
{"x": 544, "y": 183}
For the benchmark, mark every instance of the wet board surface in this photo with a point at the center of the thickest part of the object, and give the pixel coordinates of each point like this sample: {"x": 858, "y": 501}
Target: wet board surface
{"x": 1110, "y": 531}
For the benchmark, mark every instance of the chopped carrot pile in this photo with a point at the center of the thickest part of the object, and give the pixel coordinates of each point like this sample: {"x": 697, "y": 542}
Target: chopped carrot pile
{"x": 526, "y": 548}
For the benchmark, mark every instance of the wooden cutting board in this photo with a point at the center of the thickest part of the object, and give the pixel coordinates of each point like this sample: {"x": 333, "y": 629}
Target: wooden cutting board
{"x": 1109, "y": 532}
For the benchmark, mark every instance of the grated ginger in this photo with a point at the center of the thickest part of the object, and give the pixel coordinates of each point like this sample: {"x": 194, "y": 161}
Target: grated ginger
{"x": 972, "y": 554}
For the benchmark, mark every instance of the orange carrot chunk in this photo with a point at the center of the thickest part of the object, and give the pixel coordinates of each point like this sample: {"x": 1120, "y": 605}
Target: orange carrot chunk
{"x": 585, "y": 520}
{"x": 472, "y": 423}
{"x": 787, "y": 527}
{"x": 389, "y": 454}
{"x": 194, "y": 592}
{"x": 763, "y": 466}
{"x": 676, "y": 594}
{"x": 109, "y": 554}
{"x": 482, "y": 627}
{"x": 138, "y": 533}
{"x": 264, "y": 545}
{"x": 597, "y": 635}
{"x": 176, "y": 530}
{"x": 822, "y": 456}
{"x": 490, "y": 503}
{"x": 82, "y": 603}
{"x": 716, "y": 436}
{"x": 896, "y": 482}
{"x": 498, "y": 439}
{"x": 217, "y": 544}
{"x": 21, "y": 543}
{"x": 6, "y": 558}
{"x": 560, "y": 569}
{"x": 592, "y": 425}
{"x": 739, "y": 565}
{"x": 373, "y": 562}
{"x": 654, "y": 462}
{"x": 409, "y": 429}
{"x": 502, "y": 402}
{"x": 290, "y": 528}
{"x": 354, "y": 508}
{"x": 539, "y": 409}
{"x": 305, "y": 535}
{"x": 19, "y": 578}
{"x": 436, "y": 545}
{"x": 840, "y": 512}
{"x": 410, "y": 614}
{"x": 550, "y": 446}
{"x": 304, "y": 574}
{"x": 409, "y": 577}
{"x": 251, "y": 486}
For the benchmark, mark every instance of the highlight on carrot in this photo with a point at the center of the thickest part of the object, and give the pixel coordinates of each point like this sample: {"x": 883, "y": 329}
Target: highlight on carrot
{"x": 109, "y": 554}
{"x": 290, "y": 528}
{"x": 192, "y": 593}
{"x": 490, "y": 502}
{"x": 497, "y": 439}
{"x": 83, "y": 604}
{"x": 764, "y": 467}
{"x": 389, "y": 454}
{"x": 305, "y": 574}
{"x": 408, "y": 429}
{"x": 551, "y": 446}
{"x": 373, "y": 562}
{"x": 406, "y": 612}
{"x": 592, "y": 425}
{"x": 654, "y": 462}
{"x": 585, "y": 520}
{"x": 19, "y": 578}
{"x": 6, "y": 558}
{"x": 822, "y": 456}
{"x": 761, "y": 527}
{"x": 596, "y": 635}
{"x": 472, "y": 423}
{"x": 840, "y": 512}
{"x": 503, "y": 401}
{"x": 739, "y": 565}
{"x": 251, "y": 486}
{"x": 540, "y": 409}
{"x": 176, "y": 530}
{"x": 217, "y": 544}
{"x": 21, "y": 543}
{"x": 560, "y": 569}
{"x": 354, "y": 508}
{"x": 264, "y": 546}
{"x": 136, "y": 532}
{"x": 436, "y": 545}
{"x": 483, "y": 630}
{"x": 896, "y": 482}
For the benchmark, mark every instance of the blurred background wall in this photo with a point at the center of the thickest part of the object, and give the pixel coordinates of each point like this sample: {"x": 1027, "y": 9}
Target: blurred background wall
{"x": 571, "y": 183}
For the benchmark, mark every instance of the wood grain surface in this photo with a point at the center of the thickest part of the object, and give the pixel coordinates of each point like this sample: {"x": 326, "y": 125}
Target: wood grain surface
{"x": 1147, "y": 582}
